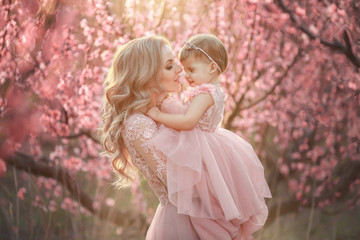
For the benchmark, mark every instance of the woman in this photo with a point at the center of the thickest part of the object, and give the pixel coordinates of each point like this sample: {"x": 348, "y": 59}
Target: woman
{"x": 143, "y": 72}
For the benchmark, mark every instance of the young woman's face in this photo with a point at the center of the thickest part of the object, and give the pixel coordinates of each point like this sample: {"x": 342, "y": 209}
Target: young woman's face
{"x": 170, "y": 81}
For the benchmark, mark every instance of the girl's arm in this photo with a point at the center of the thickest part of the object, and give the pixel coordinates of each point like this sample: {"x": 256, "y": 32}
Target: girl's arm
{"x": 187, "y": 121}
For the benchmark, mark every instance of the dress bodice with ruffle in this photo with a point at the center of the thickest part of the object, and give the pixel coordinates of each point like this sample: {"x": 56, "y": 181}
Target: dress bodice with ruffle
{"x": 212, "y": 118}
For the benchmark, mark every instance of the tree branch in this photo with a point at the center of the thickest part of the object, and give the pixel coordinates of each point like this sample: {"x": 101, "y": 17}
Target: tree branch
{"x": 82, "y": 133}
{"x": 335, "y": 45}
{"x": 6, "y": 22}
{"x": 238, "y": 107}
{"x": 277, "y": 83}
{"x": 235, "y": 112}
{"x": 115, "y": 216}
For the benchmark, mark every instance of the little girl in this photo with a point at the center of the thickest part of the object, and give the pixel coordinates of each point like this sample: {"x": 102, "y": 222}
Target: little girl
{"x": 211, "y": 172}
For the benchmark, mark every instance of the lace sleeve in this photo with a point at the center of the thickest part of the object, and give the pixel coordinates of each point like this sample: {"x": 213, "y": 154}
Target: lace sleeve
{"x": 138, "y": 133}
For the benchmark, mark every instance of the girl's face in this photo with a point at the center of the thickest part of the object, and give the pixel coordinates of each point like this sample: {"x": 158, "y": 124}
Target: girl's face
{"x": 198, "y": 71}
{"x": 170, "y": 81}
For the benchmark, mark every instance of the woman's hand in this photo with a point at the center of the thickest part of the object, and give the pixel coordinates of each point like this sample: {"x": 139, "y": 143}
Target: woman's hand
{"x": 153, "y": 113}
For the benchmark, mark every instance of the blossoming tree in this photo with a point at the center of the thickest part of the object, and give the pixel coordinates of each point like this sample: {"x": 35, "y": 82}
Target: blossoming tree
{"x": 292, "y": 87}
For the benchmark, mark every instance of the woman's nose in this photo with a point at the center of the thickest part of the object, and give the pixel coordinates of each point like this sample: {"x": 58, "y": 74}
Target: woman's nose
{"x": 187, "y": 75}
{"x": 178, "y": 68}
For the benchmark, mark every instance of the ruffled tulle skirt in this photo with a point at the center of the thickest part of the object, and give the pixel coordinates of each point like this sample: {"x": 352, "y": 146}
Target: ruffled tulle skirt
{"x": 215, "y": 176}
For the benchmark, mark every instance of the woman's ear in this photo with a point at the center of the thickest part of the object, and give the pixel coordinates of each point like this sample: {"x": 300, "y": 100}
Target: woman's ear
{"x": 213, "y": 68}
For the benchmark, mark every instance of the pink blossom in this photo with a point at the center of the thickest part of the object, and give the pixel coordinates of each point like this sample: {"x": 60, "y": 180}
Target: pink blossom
{"x": 300, "y": 166}
{"x": 96, "y": 205}
{"x": 57, "y": 191}
{"x": 70, "y": 205}
{"x": 319, "y": 190}
{"x": 2, "y": 167}
{"x": 331, "y": 9}
{"x": 352, "y": 85}
{"x": 72, "y": 163}
{"x": 52, "y": 206}
{"x": 300, "y": 11}
{"x": 313, "y": 29}
{"x": 303, "y": 147}
{"x": 110, "y": 202}
{"x": 296, "y": 155}
{"x": 21, "y": 192}
{"x": 330, "y": 140}
{"x": 66, "y": 202}
{"x": 284, "y": 169}
{"x": 341, "y": 12}
{"x": 293, "y": 185}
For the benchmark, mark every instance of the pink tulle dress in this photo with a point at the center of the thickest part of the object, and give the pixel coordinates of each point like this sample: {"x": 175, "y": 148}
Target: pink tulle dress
{"x": 213, "y": 175}
{"x": 167, "y": 223}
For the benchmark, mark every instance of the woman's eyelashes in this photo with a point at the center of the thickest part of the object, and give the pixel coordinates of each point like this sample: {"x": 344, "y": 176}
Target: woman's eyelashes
{"x": 170, "y": 64}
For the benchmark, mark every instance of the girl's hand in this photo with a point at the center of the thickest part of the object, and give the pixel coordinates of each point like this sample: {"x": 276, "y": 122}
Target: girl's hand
{"x": 153, "y": 112}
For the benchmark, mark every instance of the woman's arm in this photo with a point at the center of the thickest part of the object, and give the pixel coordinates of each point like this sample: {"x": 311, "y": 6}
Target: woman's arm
{"x": 155, "y": 160}
{"x": 137, "y": 134}
{"x": 185, "y": 121}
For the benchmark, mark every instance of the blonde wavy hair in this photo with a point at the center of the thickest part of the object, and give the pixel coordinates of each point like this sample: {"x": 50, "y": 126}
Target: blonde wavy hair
{"x": 134, "y": 74}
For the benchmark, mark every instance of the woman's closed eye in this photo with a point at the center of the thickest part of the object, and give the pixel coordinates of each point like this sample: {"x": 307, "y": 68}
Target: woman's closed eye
{"x": 169, "y": 64}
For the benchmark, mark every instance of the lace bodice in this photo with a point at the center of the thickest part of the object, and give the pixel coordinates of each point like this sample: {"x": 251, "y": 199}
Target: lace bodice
{"x": 213, "y": 116}
{"x": 137, "y": 132}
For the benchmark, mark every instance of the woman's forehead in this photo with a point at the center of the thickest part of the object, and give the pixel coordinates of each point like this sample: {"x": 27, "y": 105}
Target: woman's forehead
{"x": 168, "y": 53}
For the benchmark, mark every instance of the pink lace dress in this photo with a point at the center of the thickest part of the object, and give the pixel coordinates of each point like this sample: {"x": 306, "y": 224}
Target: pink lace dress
{"x": 213, "y": 175}
{"x": 167, "y": 224}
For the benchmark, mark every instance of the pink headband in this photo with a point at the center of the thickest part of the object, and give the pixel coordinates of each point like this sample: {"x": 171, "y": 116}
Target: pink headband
{"x": 189, "y": 45}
